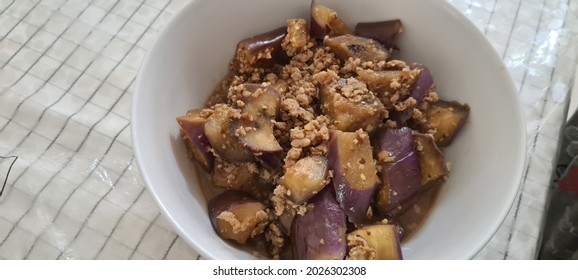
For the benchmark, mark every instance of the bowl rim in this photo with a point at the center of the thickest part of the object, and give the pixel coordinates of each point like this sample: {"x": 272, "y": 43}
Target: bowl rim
{"x": 521, "y": 162}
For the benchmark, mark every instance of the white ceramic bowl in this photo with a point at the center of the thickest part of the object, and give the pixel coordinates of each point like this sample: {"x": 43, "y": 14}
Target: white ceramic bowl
{"x": 191, "y": 56}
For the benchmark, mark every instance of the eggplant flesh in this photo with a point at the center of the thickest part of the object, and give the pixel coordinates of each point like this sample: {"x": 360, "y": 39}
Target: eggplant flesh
{"x": 325, "y": 22}
{"x": 379, "y": 242}
{"x": 432, "y": 162}
{"x": 193, "y": 132}
{"x": 351, "y": 46}
{"x": 354, "y": 172}
{"x": 447, "y": 118}
{"x": 350, "y": 112}
{"x": 237, "y": 176}
{"x": 255, "y": 127}
{"x": 390, "y": 81}
{"x": 306, "y": 178}
{"x": 222, "y": 139}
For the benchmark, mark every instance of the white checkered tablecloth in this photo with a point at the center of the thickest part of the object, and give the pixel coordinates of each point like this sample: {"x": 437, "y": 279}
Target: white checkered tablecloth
{"x": 67, "y": 70}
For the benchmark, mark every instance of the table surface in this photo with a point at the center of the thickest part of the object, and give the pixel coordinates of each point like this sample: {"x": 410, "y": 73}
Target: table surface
{"x": 67, "y": 72}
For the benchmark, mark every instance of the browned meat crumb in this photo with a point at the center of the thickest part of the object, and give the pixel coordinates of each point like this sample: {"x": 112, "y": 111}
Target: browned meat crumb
{"x": 350, "y": 66}
{"x": 359, "y": 249}
{"x": 418, "y": 146}
{"x": 312, "y": 133}
{"x": 431, "y": 96}
{"x": 279, "y": 200}
{"x": 325, "y": 77}
{"x": 391, "y": 123}
{"x": 397, "y": 64}
{"x": 324, "y": 59}
{"x": 276, "y": 240}
{"x": 302, "y": 209}
{"x": 418, "y": 116}
{"x": 384, "y": 156}
{"x": 406, "y": 104}
{"x": 263, "y": 220}
{"x": 293, "y": 155}
{"x": 293, "y": 109}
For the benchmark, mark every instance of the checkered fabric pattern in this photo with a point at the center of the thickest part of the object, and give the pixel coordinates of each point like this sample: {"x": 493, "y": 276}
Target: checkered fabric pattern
{"x": 67, "y": 71}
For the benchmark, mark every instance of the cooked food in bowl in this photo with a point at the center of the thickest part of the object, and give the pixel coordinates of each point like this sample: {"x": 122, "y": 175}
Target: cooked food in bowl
{"x": 320, "y": 144}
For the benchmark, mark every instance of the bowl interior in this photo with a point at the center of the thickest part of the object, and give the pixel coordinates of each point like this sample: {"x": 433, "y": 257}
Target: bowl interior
{"x": 191, "y": 56}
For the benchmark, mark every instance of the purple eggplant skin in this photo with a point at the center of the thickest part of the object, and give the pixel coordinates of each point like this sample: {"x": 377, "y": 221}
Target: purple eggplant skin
{"x": 249, "y": 49}
{"x": 196, "y": 141}
{"x": 354, "y": 172}
{"x": 421, "y": 86}
{"x": 386, "y": 32}
{"x": 401, "y": 174}
{"x": 320, "y": 233}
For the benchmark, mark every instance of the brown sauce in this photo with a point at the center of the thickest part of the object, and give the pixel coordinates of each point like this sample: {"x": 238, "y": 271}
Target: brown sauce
{"x": 412, "y": 220}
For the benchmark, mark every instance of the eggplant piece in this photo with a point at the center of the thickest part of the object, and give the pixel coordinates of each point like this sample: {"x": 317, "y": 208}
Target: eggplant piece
{"x": 193, "y": 133}
{"x": 306, "y": 177}
{"x": 255, "y": 127}
{"x": 447, "y": 118}
{"x": 264, "y": 146}
{"x": 392, "y": 81}
{"x": 237, "y": 176}
{"x": 297, "y": 34}
{"x": 351, "y": 106}
{"x": 320, "y": 233}
{"x": 223, "y": 142}
{"x": 379, "y": 242}
{"x": 400, "y": 174}
{"x": 434, "y": 170}
{"x": 422, "y": 85}
{"x": 385, "y": 32}
{"x": 354, "y": 172}
{"x": 262, "y": 50}
{"x": 236, "y": 216}
{"x": 346, "y": 46}
{"x": 260, "y": 102}
{"x": 325, "y": 22}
